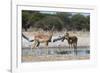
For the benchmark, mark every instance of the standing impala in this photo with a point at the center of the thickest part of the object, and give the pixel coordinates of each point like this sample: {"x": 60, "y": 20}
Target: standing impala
{"x": 44, "y": 37}
{"x": 72, "y": 40}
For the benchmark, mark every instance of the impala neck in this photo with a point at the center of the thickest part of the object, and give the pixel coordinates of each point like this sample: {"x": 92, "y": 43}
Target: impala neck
{"x": 50, "y": 36}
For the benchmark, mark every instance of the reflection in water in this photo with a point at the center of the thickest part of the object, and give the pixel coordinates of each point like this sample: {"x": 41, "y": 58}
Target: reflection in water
{"x": 56, "y": 51}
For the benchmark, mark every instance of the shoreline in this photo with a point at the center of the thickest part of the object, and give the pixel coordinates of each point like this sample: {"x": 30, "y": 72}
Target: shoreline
{"x": 53, "y": 58}
{"x": 61, "y": 47}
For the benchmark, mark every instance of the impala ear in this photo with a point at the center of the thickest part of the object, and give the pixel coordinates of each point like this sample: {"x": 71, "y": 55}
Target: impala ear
{"x": 67, "y": 34}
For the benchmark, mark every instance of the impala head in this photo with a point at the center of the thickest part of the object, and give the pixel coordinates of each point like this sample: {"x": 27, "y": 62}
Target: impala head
{"x": 67, "y": 35}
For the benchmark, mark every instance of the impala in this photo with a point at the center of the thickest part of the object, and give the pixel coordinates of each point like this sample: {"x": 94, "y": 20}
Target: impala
{"x": 44, "y": 37}
{"x": 72, "y": 40}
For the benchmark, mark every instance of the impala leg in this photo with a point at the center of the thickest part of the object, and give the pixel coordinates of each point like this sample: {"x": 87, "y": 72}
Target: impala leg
{"x": 35, "y": 44}
{"x": 75, "y": 48}
{"x": 46, "y": 47}
{"x": 31, "y": 48}
{"x": 69, "y": 46}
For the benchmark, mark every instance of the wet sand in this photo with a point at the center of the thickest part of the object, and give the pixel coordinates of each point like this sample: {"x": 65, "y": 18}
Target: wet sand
{"x": 52, "y": 58}
{"x": 54, "y": 54}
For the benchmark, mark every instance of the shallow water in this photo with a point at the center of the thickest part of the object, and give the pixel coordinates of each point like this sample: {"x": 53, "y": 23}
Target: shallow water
{"x": 55, "y": 51}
